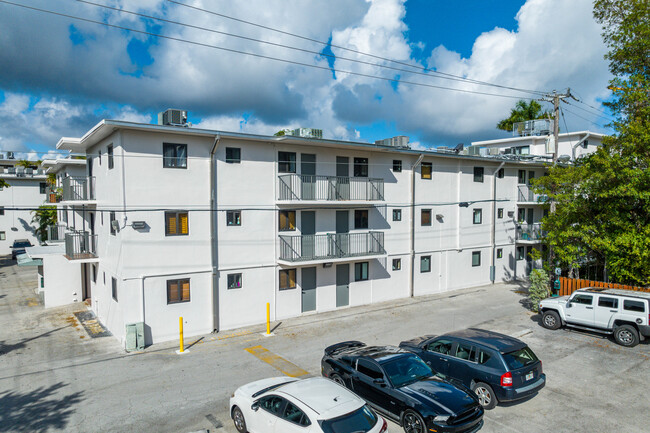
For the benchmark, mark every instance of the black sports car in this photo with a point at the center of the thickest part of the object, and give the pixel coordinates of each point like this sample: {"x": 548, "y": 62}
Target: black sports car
{"x": 401, "y": 386}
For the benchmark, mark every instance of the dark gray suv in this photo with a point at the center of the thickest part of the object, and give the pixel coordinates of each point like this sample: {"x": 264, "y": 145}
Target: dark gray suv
{"x": 18, "y": 247}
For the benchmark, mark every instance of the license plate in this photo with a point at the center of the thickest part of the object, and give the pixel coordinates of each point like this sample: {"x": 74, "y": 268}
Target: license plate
{"x": 529, "y": 376}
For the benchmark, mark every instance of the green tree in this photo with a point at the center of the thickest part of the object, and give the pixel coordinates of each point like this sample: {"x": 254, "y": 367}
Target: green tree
{"x": 4, "y": 184}
{"x": 44, "y": 216}
{"x": 280, "y": 133}
{"x": 603, "y": 200}
{"x": 523, "y": 111}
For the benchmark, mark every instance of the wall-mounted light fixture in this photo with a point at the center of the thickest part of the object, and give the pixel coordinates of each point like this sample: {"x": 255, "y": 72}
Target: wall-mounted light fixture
{"x": 138, "y": 225}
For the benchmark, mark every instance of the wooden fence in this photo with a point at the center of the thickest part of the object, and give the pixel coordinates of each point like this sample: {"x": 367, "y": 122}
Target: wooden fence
{"x": 570, "y": 285}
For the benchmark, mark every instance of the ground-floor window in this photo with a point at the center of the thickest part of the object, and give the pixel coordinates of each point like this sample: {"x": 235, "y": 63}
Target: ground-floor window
{"x": 114, "y": 288}
{"x": 3, "y": 236}
{"x": 178, "y": 291}
{"x": 234, "y": 281}
{"x": 425, "y": 264}
{"x": 397, "y": 264}
{"x": 361, "y": 271}
{"x": 521, "y": 253}
{"x": 476, "y": 258}
{"x": 499, "y": 253}
{"x": 287, "y": 279}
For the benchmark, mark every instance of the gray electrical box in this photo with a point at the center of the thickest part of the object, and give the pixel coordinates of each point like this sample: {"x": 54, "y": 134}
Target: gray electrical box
{"x": 134, "y": 336}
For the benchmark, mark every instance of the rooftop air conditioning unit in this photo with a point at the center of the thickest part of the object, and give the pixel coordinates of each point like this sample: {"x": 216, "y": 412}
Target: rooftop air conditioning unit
{"x": 10, "y": 155}
{"x": 172, "y": 117}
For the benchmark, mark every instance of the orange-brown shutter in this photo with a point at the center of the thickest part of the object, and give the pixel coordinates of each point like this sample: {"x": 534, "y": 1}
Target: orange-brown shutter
{"x": 283, "y": 220}
{"x": 171, "y": 224}
{"x": 172, "y": 289}
{"x": 184, "y": 223}
{"x": 292, "y": 278}
{"x": 185, "y": 284}
{"x": 292, "y": 220}
{"x": 283, "y": 279}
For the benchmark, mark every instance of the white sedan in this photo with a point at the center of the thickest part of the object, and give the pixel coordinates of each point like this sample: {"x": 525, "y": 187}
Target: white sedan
{"x": 289, "y": 405}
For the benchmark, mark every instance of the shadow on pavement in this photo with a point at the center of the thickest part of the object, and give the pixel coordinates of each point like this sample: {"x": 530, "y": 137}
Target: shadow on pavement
{"x": 6, "y": 348}
{"x": 37, "y": 410}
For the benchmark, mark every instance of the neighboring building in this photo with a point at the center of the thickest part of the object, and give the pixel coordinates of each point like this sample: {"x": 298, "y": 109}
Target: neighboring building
{"x": 399, "y": 141}
{"x": 27, "y": 191}
{"x": 304, "y": 132}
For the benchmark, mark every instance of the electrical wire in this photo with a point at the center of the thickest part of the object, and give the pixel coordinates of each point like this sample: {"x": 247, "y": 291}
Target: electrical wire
{"x": 590, "y": 121}
{"x": 598, "y": 116}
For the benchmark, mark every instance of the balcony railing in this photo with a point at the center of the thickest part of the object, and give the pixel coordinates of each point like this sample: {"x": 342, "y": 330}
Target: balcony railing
{"x": 79, "y": 188}
{"x": 529, "y": 232}
{"x": 56, "y": 233}
{"x": 526, "y": 194}
{"x": 331, "y": 246}
{"x": 330, "y": 188}
{"x": 80, "y": 245}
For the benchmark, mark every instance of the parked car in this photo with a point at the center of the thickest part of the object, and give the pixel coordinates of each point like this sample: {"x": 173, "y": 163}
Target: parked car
{"x": 18, "y": 247}
{"x": 402, "y": 387}
{"x": 498, "y": 368}
{"x": 289, "y": 405}
{"x": 623, "y": 313}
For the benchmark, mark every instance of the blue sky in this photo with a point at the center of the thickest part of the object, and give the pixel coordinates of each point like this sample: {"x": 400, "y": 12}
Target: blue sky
{"x": 63, "y": 79}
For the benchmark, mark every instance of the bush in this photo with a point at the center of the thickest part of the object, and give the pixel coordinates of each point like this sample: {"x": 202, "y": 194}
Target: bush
{"x": 539, "y": 287}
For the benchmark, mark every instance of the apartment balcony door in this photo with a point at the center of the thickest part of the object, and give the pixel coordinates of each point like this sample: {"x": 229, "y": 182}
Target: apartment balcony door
{"x": 342, "y": 285}
{"x": 529, "y": 218}
{"x": 342, "y": 238}
{"x": 342, "y": 178}
{"x": 308, "y": 175}
{"x": 308, "y": 230}
{"x": 308, "y": 287}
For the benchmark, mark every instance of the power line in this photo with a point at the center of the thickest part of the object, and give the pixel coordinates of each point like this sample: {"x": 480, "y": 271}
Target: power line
{"x": 599, "y": 116}
{"x": 584, "y": 118}
{"x": 392, "y": 80}
{"x": 328, "y": 44}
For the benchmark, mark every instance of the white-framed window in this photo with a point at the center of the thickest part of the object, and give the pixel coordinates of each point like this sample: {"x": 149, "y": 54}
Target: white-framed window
{"x": 174, "y": 155}
{"x": 476, "y": 258}
{"x": 478, "y": 216}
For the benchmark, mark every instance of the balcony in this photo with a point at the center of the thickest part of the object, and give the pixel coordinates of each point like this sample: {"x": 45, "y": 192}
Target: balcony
{"x": 79, "y": 188}
{"x": 330, "y": 246}
{"x": 300, "y": 187}
{"x": 81, "y": 246}
{"x": 526, "y": 195}
{"x": 529, "y": 233}
{"x": 56, "y": 233}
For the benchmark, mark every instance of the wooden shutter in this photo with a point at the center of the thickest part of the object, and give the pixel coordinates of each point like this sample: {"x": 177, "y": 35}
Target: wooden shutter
{"x": 172, "y": 291}
{"x": 292, "y": 278}
{"x": 292, "y": 220}
{"x": 171, "y": 224}
{"x": 283, "y": 279}
{"x": 283, "y": 220}
{"x": 184, "y": 223}
{"x": 185, "y": 285}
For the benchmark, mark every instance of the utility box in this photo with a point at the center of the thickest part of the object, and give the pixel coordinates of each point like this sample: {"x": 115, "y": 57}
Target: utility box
{"x": 134, "y": 336}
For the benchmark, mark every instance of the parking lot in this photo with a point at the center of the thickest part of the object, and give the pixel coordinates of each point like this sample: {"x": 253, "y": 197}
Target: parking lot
{"x": 56, "y": 378}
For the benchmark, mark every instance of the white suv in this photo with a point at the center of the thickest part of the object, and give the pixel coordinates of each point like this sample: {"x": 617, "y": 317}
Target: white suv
{"x": 624, "y": 313}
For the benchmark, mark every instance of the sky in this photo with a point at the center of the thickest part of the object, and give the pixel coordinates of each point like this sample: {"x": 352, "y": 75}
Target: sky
{"x": 380, "y": 75}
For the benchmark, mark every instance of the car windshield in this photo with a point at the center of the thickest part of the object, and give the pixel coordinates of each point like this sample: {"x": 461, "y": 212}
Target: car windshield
{"x": 18, "y": 244}
{"x": 361, "y": 420}
{"x": 406, "y": 369}
{"x": 520, "y": 358}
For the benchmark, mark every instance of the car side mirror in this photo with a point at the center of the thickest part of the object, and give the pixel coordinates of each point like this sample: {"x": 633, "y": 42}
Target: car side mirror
{"x": 568, "y": 304}
{"x": 255, "y": 406}
{"x": 379, "y": 381}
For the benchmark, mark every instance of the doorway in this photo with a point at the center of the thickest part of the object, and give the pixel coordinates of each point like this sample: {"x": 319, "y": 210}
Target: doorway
{"x": 308, "y": 175}
{"x": 342, "y": 285}
{"x": 308, "y": 231}
{"x": 308, "y": 287}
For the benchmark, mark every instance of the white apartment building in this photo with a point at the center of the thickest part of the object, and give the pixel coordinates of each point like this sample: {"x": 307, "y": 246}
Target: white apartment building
{"x": 210, "y": 226}
{"x": 27, "y": 190}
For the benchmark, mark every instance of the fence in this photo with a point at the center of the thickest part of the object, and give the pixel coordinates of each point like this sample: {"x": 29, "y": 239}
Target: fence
{"x": 331, "y": 246}
{"x": 309, "y": 187}
{"x": 570, "y": 285}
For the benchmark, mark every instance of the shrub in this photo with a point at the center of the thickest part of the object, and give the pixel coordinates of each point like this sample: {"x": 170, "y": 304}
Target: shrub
{"x": 539, "y": 287}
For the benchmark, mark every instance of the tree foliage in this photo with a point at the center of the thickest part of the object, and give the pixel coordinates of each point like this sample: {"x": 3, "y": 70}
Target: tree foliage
{"x": 523, "y": 111}
{"x": 603, "y": 200}
{"x": 4, "y": 184}
{"x": 44, "y": 216}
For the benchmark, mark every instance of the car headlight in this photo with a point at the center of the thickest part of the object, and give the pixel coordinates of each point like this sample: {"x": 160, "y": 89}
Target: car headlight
{"x": 441, "y": 418}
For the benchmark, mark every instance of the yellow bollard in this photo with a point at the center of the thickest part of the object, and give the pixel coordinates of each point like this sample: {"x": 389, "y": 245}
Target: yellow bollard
{"x": 268, "y": 318}
{"x": 180, "y": 328}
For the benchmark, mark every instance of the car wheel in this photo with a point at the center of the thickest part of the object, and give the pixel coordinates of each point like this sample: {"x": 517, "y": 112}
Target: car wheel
{"x": 485, "y": 395}
{"x": 412, "y": 422}
{"x": 626, "y": 335}
{"x": 338, "y": 379}
{"x": 551, "y": 320}
{"x": 238, "y": 419}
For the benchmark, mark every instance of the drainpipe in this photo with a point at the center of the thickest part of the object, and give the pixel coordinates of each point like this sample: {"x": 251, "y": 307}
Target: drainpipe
{"x": 573, "y": 149}
{"x": 494, "y": 223}
{"x": 214, "y": 293}
{"x": 412, "y": 231}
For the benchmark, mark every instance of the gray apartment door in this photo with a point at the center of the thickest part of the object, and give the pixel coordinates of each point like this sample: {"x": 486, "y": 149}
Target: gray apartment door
{"x": 342, "y": 285}
{"x": 342, "y": 241}
{"x": 308, "y": 175}
{"x": 529, "y": 218}
{"x": 342, "y": 178}
{"x": 308, "y": 284}
{"x": 308, "y": 231}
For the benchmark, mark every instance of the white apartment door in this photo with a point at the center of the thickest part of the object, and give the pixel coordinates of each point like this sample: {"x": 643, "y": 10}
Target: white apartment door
{"x": 308, "y": 287}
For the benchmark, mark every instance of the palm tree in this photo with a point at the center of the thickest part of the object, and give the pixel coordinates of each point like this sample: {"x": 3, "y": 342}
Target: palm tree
{"x": 523, "y": 111}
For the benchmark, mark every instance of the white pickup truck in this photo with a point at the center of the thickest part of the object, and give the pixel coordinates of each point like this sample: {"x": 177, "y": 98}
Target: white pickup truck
{"x": 623, "y": 313}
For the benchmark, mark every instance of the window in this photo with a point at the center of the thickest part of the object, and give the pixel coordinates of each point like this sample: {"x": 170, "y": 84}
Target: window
{"x": 94, "y": 273}
{"x": 441, "y": 346}
{"x": 499, "y": 253}
{"x": 174, "y": 155}
{"x": 478, "y": 216}
{"x": 607, "y": 302}
{"x": 3, "y": 236}
{"x": 99, "y": 157}
{"x": 272, "y": 404}
{"x": 397, "y": 264}
{"x": 426, "y": 170}
{"x": 360, "y": 167}
{"x": 176, "y": 224}
{"x": 521, "y": 176}
{"x": 478, "y": 174}
{"x": 425, "y": 264}
{"x": 234, "y": 281}
{"x": 42, "y": 187}
{"x": 630, "y": 305}
{"x": 500, "y": 212}
{"x": 110, "y": 223}
{"x": 287, "y": 279}
{"x": 361, "y": 271}
{"x": 476, "y": 258}
{"x": 109, "y": 152}
{"x": 397, "y": 165}
{"x": 114, "y": 288}
{"x": 2, "y": 210}
{"x": 521, "y": 214}
{"x": 397, "y": 214}
{"x": 286, "y": 162}
{"x": 233, "y": 155}
{"x": 465, "y": 351}
{"x": 425, "y": 217}
{"x": 178, "y": 291}
{"x": 360, "y": 219}
{"x": 369, "y": 369}
{"x": 520, "y": 253}
{"x": 233, "y": 218}
{"x": 582, "y": 299}
{"x": 501, "y": 173}
{"x": 287, "y": 220}
{"x": 295, "y": 415}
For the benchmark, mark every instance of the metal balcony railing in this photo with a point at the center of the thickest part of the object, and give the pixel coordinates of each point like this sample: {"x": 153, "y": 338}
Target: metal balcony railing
{"x": 79, "y": 188}
{"x": 56, "y": 233}
{"x": 529, "y": 232}
{"x": 80, "y": 245}
{"x": 330, "y": 188}
{"x": 331, "y": 246}
{"x": 526, "y": 194}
